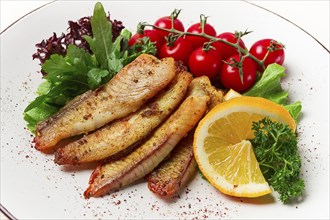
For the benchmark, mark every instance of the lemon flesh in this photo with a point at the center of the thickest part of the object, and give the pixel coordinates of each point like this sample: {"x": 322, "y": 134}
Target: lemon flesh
{"x": 222, "y": 148}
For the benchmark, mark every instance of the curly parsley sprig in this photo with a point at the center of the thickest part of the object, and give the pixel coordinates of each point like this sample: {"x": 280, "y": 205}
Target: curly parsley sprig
{"x": 275, "y": 147}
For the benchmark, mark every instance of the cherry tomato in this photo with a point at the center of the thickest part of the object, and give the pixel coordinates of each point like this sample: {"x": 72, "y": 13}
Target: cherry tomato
{"x": 225, "y": 49}
{"x": 206, "y": 63}
{"x": 166, "y": 22}
{"x": 230, "y": 78}
{"x": 180, "y": 50}
{"x": 260, "y": 48}
{"x": 153, "y": 36}
{"x": 197, "y": 29}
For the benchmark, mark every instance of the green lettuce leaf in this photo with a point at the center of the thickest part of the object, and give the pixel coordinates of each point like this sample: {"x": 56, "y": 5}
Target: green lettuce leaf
{"x": 269, "y": 87}
{"x": 294, "y": 109}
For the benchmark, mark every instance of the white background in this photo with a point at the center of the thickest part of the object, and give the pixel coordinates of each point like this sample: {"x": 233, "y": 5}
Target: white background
{"x": 312, "y": 16}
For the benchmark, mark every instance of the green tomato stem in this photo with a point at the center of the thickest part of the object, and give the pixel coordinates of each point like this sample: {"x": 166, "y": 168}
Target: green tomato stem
{"x": 241, "y": 50}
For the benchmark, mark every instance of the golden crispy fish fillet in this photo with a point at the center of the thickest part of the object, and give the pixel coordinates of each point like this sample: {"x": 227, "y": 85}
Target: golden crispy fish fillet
{"x": 215, "y": 94}
{"x": 144, "y": 159}
{"x": 126, "y": 92}
{"x": 171, "y": 175}
{"x": 120, "y": 134}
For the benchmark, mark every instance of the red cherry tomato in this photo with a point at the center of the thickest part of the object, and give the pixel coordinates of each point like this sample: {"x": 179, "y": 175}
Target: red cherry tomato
{"x": 197, "y": 29}
{"x": 206, "y": 63}
{"x": 260, "y": 48}
{"x": 180, "y": 50}
{"x": 166, "y": 22}
{"x": 230, "y": 78}
{"x": 153, "y": 36}
{"x": 225, "y": 49}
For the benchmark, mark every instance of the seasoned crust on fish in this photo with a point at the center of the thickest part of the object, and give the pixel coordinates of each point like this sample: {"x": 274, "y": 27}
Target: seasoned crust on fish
{"x": 171, "y": 175}
{"x": 144, "y": 159}
{"x": 122, "y": 133}
{"x": 126, "y": 92}
{"x": 216, "y": 95}
{"x": 174, "y": 173}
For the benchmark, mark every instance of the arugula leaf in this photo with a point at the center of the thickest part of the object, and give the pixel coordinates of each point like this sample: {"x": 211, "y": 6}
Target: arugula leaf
{"x": 117, "y": 56}
{"x": 269, "y": 87}
{"x": 101, "y": 43}
{"x": 275, "y": 147}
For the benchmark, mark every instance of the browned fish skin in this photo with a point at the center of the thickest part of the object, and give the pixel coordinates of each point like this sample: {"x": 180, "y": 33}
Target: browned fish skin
{"x": 128, "y": 90}
{"x": 175, "y": 172}
{"x": 144, "y": 159}
{"x": 215, "y": 94}
{"x": 122, "y": 133}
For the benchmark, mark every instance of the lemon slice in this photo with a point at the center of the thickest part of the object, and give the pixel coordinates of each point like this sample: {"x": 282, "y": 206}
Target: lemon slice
{"x": 222, "y": 148}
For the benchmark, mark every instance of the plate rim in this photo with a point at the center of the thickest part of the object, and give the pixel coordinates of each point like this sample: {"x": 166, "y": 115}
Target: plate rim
{"x": 245, "y": 1}
{"x": 3, "y": 209}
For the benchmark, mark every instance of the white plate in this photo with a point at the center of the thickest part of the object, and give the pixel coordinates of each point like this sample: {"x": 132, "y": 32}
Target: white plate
{"x": 32, "y": 186}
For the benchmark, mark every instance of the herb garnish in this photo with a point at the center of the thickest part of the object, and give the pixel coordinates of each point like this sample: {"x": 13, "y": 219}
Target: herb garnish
{"x": 275, "y": 147}
{"x": 269, "y": 87}
{"x": 78, "y": 71}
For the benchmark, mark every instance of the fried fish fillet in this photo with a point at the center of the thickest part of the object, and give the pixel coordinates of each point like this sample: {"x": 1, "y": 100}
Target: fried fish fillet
{"x": 215, "y": 94}
{"x": 126, "y": 92}
{"x": 145, "y": 158}
{"x": 171, "y": 175}
{"x": 120, "y": 134}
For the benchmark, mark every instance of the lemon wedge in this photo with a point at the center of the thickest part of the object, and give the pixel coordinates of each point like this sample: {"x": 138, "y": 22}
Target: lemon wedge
{"x": 222, "y": 148}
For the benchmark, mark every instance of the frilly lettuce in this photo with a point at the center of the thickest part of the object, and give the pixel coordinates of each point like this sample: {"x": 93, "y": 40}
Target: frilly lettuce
{"x": 269, "y": 87}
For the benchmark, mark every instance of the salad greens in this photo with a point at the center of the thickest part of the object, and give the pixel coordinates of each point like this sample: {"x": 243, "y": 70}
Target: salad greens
{"x": 269, "y": 87}
{"x": 78, "y": 71}
{"x": 275, "y": 144}
{"x": 275, "y": 147}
